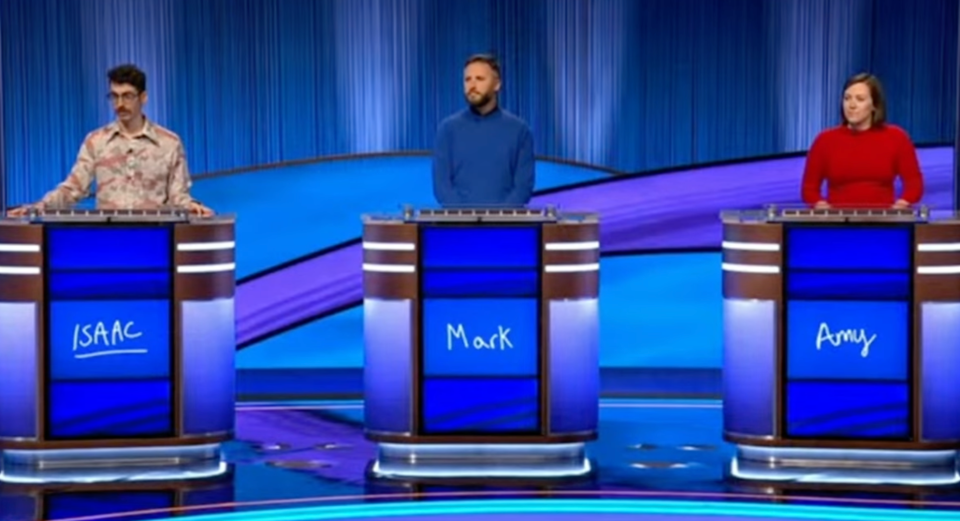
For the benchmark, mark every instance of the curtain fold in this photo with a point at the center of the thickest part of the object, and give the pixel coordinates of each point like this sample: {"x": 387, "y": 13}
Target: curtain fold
{"x": 626, "y": 84}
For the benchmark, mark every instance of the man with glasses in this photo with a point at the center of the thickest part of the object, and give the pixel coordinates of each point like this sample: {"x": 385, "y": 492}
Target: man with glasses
{"x": 137, "y": 164}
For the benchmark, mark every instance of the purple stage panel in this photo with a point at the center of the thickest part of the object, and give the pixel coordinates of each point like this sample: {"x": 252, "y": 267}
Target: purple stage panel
{"x": 675, "y": 210}
{"x": 299, "y": 292}
{"x": 681, "y": 209}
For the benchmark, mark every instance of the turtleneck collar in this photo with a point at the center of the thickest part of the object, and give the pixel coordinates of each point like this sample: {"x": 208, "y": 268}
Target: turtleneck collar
{"x": 480, "y": 117}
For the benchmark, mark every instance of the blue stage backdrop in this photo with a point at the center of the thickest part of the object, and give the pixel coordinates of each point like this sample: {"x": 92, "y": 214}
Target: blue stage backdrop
{"x": 956, "y": 135}
{"x": 627, "y": 84}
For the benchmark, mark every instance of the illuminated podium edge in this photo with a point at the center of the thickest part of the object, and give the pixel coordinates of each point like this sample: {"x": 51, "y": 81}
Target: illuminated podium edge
{"x": 752, "y": 272}
{"x": 570, "y": 264}
{"x": 203, "y": 270}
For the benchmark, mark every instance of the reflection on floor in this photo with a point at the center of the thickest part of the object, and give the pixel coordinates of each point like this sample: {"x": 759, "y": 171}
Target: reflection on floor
{"x": 302, "y": 454}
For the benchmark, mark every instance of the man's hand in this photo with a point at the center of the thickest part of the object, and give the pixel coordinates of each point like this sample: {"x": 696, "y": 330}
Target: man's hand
{"x": 821, "y": 205}
{"x": 199, "y": 209}
{"x": 901, "y": 204}
{"x": 22, "y": 211}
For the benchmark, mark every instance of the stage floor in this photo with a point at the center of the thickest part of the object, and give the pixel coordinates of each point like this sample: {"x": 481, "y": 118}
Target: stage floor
{"x": 660, "y": 459}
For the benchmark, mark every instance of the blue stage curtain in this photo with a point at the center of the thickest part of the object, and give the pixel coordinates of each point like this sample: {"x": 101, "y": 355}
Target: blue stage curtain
{"x": 56, "y": 54}
{"x": 3, "y": 159}
{"x": 818, "y": 43}
{"x": 626, "y": 84}
{"x": 956, "y": 138}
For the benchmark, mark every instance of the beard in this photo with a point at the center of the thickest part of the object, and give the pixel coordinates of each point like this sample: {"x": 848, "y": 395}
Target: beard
{"x": 478, "y": 101}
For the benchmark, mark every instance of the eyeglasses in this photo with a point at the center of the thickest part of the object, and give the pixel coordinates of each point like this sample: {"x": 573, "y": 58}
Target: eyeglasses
{"x": 126, "y": 97}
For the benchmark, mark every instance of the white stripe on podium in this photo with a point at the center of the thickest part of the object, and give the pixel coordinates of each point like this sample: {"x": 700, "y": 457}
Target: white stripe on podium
{"x": 939, "y": 246}
{"x": 389, "y": 246}
{"x": 389, "y": 268}
{"x": 571, "y": 268}
{"x": 750, "y": 246}
{"x": 206, "y": 246}
{"x": 19, "y": 270}
{"x": 572, "y": 246}
{"x": 206, "y": 268}
{"x": 750, "y": 268}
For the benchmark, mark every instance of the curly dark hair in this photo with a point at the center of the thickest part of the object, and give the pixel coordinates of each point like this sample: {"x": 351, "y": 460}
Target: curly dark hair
{"x": 128, "y": 75}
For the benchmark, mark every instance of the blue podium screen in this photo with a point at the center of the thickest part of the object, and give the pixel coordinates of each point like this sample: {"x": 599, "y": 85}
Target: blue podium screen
{"x": 109, "y": 339}
{"x": 109, "y": 331}
{"x": 480, "y": 329}
{"x": 481, "y": 337}
{"x": 848, "y": 326}
{"x": 58, "y": 505}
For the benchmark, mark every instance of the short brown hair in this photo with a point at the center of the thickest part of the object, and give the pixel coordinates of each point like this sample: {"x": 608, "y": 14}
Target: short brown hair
{"x": 876, "y": 94}
{"x": 489, "y": 59}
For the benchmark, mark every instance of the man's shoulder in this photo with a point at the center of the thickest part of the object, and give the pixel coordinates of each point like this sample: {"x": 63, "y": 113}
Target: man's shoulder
{"x": 515, "y": 121}
{"x": 507, "y": 118}
{"x": 513, "y": 118}
{"x": 100, "y": 134}
{"x": 165, "y": 135}
{"x": 103, "y": 134}
{"x": 453, "y": 119}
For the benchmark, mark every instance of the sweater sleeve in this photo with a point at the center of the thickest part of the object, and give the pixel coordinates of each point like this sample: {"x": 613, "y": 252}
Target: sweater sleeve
{"x": 443, "y": 189}
{"x": 523, "y": 172}
{"x": 813, "y": 172}
{"x": 909, "y": 170}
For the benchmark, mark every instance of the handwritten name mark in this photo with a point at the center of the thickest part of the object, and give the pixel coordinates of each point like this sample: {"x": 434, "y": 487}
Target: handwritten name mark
{"x": 93, "y": 340}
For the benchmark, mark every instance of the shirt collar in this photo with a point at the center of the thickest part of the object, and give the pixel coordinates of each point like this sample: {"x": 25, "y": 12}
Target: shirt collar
{"x": 480, "y": 117}
{"x": 148, "y": 131}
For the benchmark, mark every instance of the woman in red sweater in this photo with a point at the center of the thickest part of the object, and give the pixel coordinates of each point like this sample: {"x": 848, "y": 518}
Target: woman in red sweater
{"x": 860, "y": 159}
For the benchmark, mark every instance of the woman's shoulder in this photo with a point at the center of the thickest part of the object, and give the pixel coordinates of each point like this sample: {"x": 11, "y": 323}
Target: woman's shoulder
{"x": 894, "y": 130}
{"x": 829, "y": 135}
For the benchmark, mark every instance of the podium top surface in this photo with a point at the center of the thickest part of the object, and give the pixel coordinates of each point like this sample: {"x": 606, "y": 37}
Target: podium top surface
{"x": 477, "y": 215}
{"x": 803, "y": 214}
{"x": 85, "y": 216}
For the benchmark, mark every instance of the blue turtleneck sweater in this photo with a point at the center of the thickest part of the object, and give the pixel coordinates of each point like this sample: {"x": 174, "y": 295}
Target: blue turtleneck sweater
{"x": 483, "y": 161}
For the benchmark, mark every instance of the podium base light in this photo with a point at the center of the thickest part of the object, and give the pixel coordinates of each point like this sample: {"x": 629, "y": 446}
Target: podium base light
{"x": 845, "y": 466}
{"x": 106, "y": 465}
{"x": 453, "y": 461}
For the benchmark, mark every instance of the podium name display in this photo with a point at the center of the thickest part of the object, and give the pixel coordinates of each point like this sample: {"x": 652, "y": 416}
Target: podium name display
{"x": 480, "y": 324}
{"x": 109, "y": 312}
{"x": 848, "y": 324}
{"x": 117, "y": 330}
{"x": 481, "y": 327}
{"x": 840, "y": 330}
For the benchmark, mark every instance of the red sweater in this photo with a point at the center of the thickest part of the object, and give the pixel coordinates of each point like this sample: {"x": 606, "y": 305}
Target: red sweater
{"x": 860, "y": 167}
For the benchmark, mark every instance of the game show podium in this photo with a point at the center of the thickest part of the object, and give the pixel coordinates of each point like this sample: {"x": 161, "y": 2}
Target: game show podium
{"x": 841, "y": 345}
{"x": 481, "y": 341}
{"x": 116, "y": 345}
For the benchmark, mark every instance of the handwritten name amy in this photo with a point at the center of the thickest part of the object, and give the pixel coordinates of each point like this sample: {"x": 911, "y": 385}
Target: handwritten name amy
{"x": 101, "y": 339}
{"x": 848, "y": 336}
{"x": 497, "y": 341}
